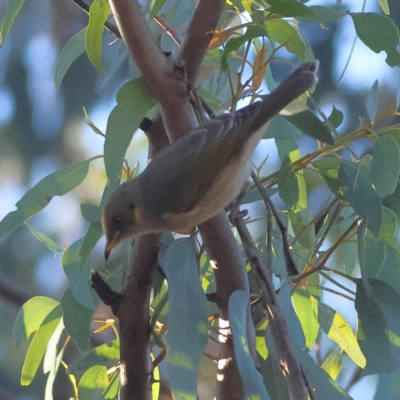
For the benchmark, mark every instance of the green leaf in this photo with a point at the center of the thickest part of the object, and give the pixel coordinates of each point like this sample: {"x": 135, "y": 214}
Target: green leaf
{"x": 13, "y": 7}
{"x": 361, "y": 234}
{"x": 187, "y": 321}
{"x": 70, "y": 52}
{"x": 98, "y": 13}
{"x": 385, "y": 6}
{"x": 336, "y": 117}
{"x": 372, "y": 102}
{"x": 235, "y": 43}
{"x": 133, "y": 103}
{"x": 388, "y": 387}
{"x": 290, "y": 8}
{"x": 280, "y": 128}
{"x": 92, "y": 384}
{"x": 389, "y": 224}
{"x": 107, "y": 354}
{"x": 299, "y": 220}
{"x": 358, "y": 191}
{"x": 302, "y": 304}
{"x": 385, "y": 168}
{"x": 323, "y": 386}
{"x": 38, "y": 345}
{"x": 113, "y": 388}
{"x": 393, "y": 201}
{"x": 52, "y": 360}
{"x": 120, "y": 56}
{"x": 56, "y": 184}
{"x": 78, "y": 279}
{"x": 328, "y": 168}
{"x": 156, "y": 6}
{"x": 285, "y": 34}
{"x": 303, "y": 118}
{"x": 77, "y": 320}
{"x": 90, "y": 212}
{"x": 252, "y": 380}
{"x": 323, "y": 15}
{"x": 288, "y": 184}
{"x": 338, "y": 329}
{"x": 93, "y": 235}
{"x": 379, "y": 33}
{"x": 49, "y": 243}
{"x": 379, "y": 326}
{"x": 30, "y": 316}
{"x": 333, "y": 363}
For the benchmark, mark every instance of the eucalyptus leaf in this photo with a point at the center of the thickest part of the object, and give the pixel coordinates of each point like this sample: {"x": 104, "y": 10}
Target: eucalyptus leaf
{"x": 49, "y": 243}
{"x": 13, "y": 8}
{"x": 372, "y": 102}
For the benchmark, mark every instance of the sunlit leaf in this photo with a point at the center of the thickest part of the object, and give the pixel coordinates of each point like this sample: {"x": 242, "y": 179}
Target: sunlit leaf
{"x": 259, "y": 68}
{"x": 31, "y": 316}
{"x": 38, "y": 345}
{"x": 92, "y": 384}
{"x": 333, "y": 363}
{"x": 385, "y": 6}
{"x": 288, "y": 184}
{"x": 98, "y": 14}
{"x": 106, "y": 354}
{"x": 336, "y": 117}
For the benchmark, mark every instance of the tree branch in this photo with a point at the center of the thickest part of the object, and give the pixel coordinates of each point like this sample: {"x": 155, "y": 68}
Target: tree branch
{"x": 199, "y": 34}
{"x": 133, "y": 313}
{"x": 279, "y": 330}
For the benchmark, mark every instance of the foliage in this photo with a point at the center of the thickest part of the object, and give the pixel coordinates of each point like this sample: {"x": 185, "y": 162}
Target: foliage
{"x": 359, "y": 222}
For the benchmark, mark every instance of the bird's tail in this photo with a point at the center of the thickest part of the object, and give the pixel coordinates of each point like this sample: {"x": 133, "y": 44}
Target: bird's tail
{"x": 302, "y": 79}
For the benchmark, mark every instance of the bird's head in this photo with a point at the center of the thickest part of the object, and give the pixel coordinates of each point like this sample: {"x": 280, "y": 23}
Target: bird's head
{"x": 121, "y": 216}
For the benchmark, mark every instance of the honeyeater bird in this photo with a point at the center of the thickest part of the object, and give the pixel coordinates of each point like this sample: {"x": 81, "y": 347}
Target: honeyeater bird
{"x": 192, "y": 179}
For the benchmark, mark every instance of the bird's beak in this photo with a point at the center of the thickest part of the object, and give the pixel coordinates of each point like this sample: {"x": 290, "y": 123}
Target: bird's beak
{"x": 110, "y": 245}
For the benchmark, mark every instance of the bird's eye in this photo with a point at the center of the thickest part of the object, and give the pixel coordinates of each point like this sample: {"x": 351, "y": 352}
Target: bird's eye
{"x": 117, "y": 222}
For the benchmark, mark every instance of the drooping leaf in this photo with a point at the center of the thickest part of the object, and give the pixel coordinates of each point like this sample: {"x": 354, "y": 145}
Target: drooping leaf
{"x": 31, "y": 316}
{"x": 13, "y": 8}
{"x": 187, "y": 321}
{"x": 302, "y": 305}
{"x": 338, "y": 329}
{"x": 372, "y": 102}
{"x": 133, "y": 103}
{"x": 361, "y": 234}
{"x": 98, "y": 13}
{"x": 323, "y": 15}
{"x": 299, "y": 220}
{"x": 385, "y": 6}
{"x": 38, "y": 345}
{"x": 120, "y": 56}
{"x": 252, "y": 381}
{"x": 379, "y": 33}
{"x": 358, "y": 190}
{"x": 70, "y": 52}
{"x": 107, "y": 354}
{"x": 385, "y": 167}
{"x": 90, "y": 212}
{"x": 93, "y": 235}
{"x": 328, "y": 168}
{"x": 56, "y": 184}
{"x": 379, "y": 326}
{"x": 389, "y": 224}
{"x": 49, "y": 243}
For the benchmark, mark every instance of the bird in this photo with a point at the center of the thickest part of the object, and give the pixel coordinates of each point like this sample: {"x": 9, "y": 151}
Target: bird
{"x": 198, "y": 175}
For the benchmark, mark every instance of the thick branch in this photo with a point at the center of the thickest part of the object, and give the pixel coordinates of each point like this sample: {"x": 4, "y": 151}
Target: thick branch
{"x": 134, "y": 320}
{"x": 200, "y": 32}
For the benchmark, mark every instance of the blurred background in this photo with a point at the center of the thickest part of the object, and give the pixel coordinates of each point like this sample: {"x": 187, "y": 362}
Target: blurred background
{"x": 42, "y": 129}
